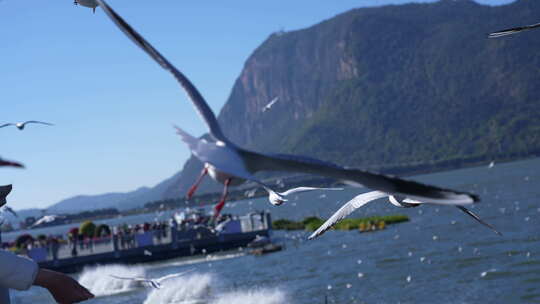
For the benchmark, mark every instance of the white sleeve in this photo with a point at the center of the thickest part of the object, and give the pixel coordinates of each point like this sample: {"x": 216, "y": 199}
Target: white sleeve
{"x": 16, "y": 272}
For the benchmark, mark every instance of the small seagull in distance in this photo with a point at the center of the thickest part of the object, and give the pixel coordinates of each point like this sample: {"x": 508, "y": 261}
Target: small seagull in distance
{"x": 270, "y": 104}
{"x": 278, "y": 198}
{"x": 4, "y": 192}
{"x": 491, "y": 165}
{"x": 8, "y": 163}
{"x": 21, "y": 125}
{"x": 364, "y": 198}
{"x": 10, "y": 210}
{"x": 155, "y": 283}
{"x": 87, "y": 3}
{"x": 513, "y": 30}
{"x": 47, "y": 219}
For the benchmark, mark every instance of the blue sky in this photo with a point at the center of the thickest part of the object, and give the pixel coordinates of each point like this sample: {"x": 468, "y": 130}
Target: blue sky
{"x": 113, "y": 107}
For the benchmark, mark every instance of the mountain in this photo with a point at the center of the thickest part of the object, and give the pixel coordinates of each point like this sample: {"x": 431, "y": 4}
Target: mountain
{"x": 392, "y": 89}
{"x": 120, "y": 201}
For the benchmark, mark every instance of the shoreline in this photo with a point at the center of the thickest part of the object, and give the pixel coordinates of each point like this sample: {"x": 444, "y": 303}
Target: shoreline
{"x": 239, "y": 194}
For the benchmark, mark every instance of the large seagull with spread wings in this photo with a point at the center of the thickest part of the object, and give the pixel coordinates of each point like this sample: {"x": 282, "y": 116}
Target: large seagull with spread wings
{"x": 230, "y": 164}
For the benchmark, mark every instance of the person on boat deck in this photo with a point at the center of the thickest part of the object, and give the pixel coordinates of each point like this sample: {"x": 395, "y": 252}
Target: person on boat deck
{"x": 20, "y": 273}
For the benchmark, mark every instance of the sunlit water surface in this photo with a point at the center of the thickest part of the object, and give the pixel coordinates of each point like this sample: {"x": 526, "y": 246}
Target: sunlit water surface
{"x": 440, "y": 256}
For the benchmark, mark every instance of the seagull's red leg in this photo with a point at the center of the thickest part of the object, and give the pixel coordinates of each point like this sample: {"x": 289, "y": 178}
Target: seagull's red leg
{"x": 221, "y": 204}
{"x": 193, "y": 188}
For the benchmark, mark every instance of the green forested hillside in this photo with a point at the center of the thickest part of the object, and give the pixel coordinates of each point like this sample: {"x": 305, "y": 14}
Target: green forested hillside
{"x": 431, "y": 87}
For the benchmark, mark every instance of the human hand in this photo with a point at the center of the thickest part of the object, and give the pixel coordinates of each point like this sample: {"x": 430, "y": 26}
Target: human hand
{"x": 63, "y": 288}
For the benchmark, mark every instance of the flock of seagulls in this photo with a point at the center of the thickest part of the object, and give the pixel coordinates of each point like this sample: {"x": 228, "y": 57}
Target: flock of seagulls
{"x": 365, "y": 198}
{"x": 231, "y": 165}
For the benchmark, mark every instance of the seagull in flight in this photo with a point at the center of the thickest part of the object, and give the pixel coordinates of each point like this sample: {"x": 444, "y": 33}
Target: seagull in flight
{"x": 87, "y": 3}
{"x": 4, "y": 192}
{"x": 21, "y": 125}
{"x": 10, "y": 210}
{"x": 8, "y": 163}
{"x": 229, "y": 164}
{"x": 278, "y": 198}
{"x": 47, "y": 219}
{"x": 155, "y": 283}
{"x": 270, "y": 104}
{"x": 513, "y": 30}
{"x": 401, "y": 202}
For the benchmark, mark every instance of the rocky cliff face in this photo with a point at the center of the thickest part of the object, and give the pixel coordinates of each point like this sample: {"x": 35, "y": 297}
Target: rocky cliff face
{"x": 382, "y": 87}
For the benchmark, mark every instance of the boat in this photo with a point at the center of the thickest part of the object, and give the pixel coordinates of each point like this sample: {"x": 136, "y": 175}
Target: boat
{"x": 190, "y": 232}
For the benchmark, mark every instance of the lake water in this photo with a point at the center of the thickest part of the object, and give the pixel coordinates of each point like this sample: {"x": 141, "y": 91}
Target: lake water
{"x": 440, "y": 256}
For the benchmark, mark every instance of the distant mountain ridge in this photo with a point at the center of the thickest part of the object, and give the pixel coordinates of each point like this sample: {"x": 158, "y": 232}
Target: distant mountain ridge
{"x": 121, "y": 201}
{"x": 382, "y": 87}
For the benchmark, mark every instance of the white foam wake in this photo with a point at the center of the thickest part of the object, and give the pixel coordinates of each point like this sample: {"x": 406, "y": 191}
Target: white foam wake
{"x": 264, "y": 296}
{"x": 198, "y": 289}
{"x": 203, "y": 259}
{"x": 100, "y": 283}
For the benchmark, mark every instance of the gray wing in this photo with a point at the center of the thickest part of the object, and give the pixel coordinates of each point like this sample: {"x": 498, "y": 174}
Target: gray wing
{"x": 514, "y": 30}
{"x": 196, "y": 98}
{"x": 388, "y": 184}
{"x": 304, "y": 189}
{"x": 6, "y": 125}
{"x": 37, "y": 122}
{"x": 4, "y": 192}
{"x": 347, "y": 209}
{"x": 474, "y": 216}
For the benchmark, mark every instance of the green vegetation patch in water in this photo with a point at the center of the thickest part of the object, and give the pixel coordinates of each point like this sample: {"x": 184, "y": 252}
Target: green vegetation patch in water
{"x": 312, "y": 223}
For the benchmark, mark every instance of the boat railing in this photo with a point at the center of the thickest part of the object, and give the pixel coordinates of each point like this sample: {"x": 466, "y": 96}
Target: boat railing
{"x": 175, "y": 234}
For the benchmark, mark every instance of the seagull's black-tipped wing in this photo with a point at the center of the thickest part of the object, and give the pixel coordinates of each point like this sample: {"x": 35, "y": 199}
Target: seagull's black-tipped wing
{"x": 196, "y": 98}
{"x": 513, "y": 30}
{"x": 9, "y": 163}
{"x": 7, "y": 125}
{"x": 388, "y": 184}
{"x": 4, "y": 192}
{"x": 474, "y": 216}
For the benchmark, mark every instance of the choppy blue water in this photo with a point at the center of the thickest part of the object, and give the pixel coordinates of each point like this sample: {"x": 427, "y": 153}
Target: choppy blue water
{"x": 440, "y": 256}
